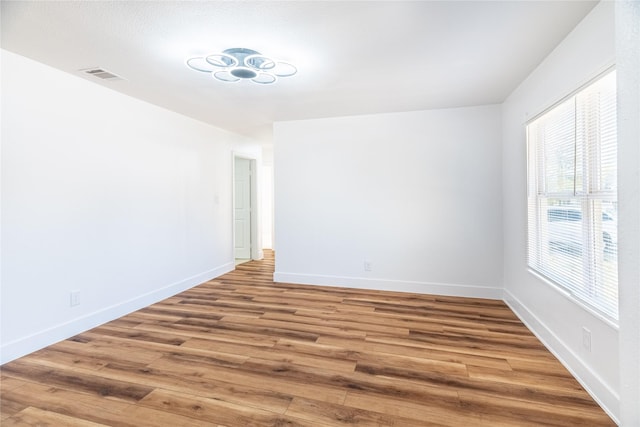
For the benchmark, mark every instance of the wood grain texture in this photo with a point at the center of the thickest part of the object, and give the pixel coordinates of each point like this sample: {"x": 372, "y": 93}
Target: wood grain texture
{"x": 242, "y": 350}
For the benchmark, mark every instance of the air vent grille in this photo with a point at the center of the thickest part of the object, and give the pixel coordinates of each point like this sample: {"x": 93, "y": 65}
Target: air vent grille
{"x": 101, "y": 74}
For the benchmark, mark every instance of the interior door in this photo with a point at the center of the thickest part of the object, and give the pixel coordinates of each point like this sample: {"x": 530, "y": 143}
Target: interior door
{"x": 242, "y": 208}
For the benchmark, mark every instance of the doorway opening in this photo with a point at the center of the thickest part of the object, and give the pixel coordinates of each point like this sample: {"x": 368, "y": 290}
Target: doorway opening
{"x": 244, "y": 212}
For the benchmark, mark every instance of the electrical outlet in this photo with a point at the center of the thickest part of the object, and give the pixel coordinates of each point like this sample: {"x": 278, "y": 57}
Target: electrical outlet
{"x": 586, "y": 339}
{"x": 75, "y": 298}
{"x": 367, "y": 265}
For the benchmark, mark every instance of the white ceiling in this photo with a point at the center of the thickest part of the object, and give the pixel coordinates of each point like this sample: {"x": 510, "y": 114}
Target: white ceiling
{"x": 354, "y": 57}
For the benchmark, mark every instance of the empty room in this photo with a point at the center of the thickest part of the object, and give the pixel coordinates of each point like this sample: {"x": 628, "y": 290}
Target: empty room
{"x": 320, "y": 213}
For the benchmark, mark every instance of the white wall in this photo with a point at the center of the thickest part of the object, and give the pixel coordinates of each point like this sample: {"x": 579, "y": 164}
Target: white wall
{"x": 628, "y": 73}
{"x": 417, "y": 194}
{"x": 557, "y": 319}
{"x": 267, "y": 197}
{"x": 123, "y": 201}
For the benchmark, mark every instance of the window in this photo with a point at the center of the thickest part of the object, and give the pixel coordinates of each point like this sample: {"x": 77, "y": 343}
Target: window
{"x": 572, "y": 195}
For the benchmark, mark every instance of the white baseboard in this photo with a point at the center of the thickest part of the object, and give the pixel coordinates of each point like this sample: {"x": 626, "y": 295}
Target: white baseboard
{"x": 607, "y": 398}
{"x": 391, "y": 285}
{"x": 25, "y": 345}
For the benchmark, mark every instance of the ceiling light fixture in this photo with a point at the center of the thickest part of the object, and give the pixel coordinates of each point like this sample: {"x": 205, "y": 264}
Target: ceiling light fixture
{"x": 238, "y": 63}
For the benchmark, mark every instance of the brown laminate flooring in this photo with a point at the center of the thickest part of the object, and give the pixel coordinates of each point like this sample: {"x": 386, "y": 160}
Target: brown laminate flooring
{"x": 241, "y": 350}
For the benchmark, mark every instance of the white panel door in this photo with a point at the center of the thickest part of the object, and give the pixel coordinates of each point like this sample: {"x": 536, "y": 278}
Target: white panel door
{"x": 242, "y": 208}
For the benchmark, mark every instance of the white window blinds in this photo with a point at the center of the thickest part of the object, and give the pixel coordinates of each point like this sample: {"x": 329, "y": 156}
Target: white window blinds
{"x": 572, "y": 195}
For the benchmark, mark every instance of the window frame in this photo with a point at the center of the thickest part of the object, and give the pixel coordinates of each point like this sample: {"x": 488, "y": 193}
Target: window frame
{"x": 590, "y": 199}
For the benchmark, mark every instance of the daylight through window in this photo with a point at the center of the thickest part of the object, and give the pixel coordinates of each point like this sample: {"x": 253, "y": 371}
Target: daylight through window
{"x": 572, "y": 195}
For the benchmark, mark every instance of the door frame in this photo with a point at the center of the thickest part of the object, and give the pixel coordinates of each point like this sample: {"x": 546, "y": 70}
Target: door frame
{"x": 256, "y": 250}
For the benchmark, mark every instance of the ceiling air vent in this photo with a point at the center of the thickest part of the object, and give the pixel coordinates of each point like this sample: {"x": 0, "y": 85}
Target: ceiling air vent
{"x": 101, "y": 74}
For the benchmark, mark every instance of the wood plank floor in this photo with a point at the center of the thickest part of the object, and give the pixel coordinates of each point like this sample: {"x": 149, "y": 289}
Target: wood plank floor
{"x": 241, "y": 350}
